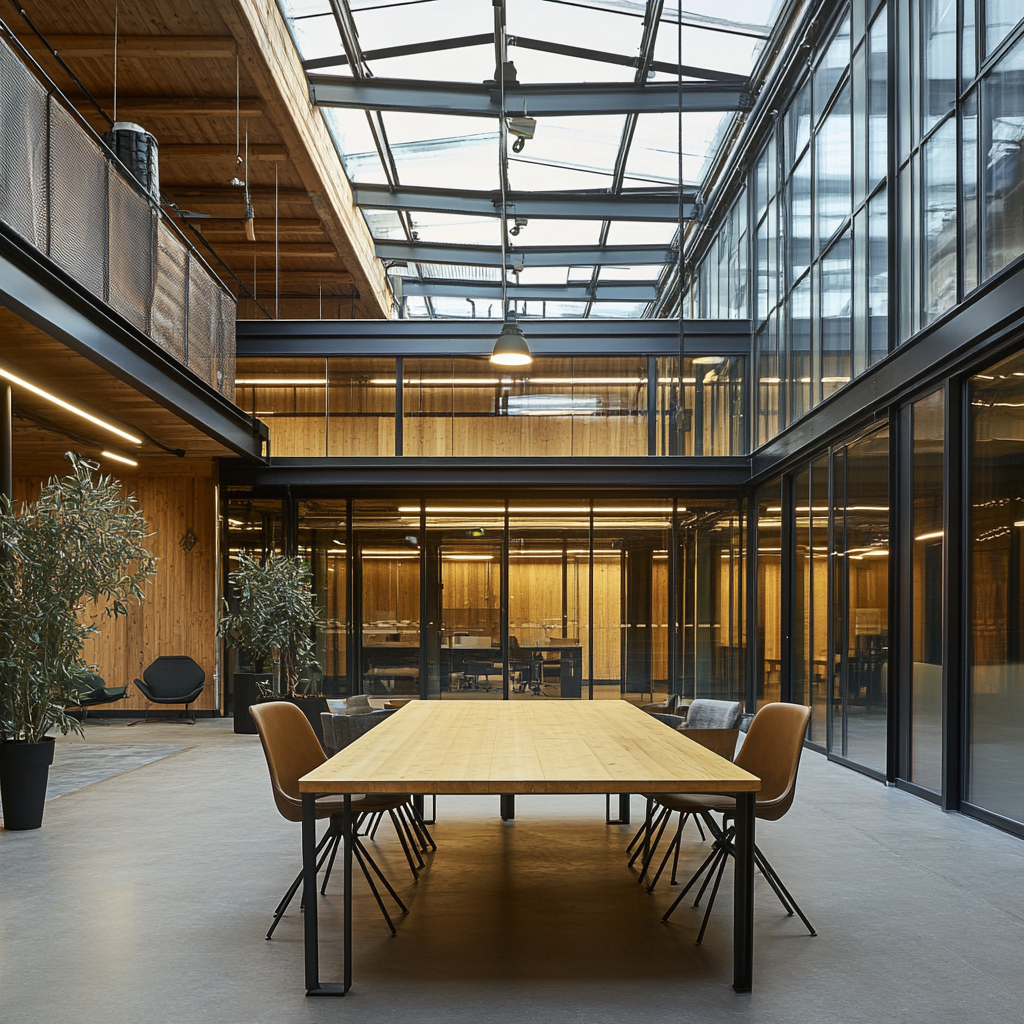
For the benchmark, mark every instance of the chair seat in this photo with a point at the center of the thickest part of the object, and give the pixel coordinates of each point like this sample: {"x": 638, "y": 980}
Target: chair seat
{"x": 183, "y": 698}
{"x": 369, "y": 803}
{"x": 104, "y": 696}
{"x": 696, "y": 803}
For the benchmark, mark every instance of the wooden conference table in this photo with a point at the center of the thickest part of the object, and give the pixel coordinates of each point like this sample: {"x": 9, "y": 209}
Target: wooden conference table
{"x": 510, "y": 747}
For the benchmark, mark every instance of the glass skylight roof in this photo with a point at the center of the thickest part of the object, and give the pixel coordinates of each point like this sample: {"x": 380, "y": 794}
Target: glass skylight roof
{"x": 448, "y": 153}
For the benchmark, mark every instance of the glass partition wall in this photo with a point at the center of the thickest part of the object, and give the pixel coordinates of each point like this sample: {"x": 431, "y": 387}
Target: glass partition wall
{"x": 518, "y": 598}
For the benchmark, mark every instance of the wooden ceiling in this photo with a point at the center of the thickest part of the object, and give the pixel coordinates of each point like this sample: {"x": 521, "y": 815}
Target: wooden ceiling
{"x": 43, "y": 432}
{"x": 181, "y": 64}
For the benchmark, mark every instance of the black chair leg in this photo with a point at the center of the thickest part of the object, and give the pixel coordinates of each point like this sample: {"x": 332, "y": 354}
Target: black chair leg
{"x": 673, "y": 846}
{"x": 293, "y": 888}
{"x": 417, "y": 817}
{"x": 712, "y": 856}
{"x": 373, "y": 888}
{"x": 773, "y": 874}
{"x": 405, "y": 846}
{"x": 400, "y": 811}
{"x": 380, "y": 874}
{"x": 714, "y": 893}
{"x": 665, "y": 819}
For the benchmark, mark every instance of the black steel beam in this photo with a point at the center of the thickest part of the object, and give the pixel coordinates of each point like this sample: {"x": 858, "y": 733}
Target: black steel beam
{"x": 487, "y": 39}
{"x": 635, "y": 204}
{"x": 586, "y": 292}
{"x": 397, "y": 338}
{"x": 34, "y": 288}
{"x": 463, "y": 476}
{"x": 469, "y": 99}
{"x": 533, "y": 256}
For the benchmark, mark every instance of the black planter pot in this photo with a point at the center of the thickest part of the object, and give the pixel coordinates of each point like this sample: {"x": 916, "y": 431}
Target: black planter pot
{"x": 246, "y": 694}
{"x": 24, "y": 770}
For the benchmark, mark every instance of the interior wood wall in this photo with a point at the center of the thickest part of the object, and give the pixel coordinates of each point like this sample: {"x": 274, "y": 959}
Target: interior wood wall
{"x": 180, "y": 611}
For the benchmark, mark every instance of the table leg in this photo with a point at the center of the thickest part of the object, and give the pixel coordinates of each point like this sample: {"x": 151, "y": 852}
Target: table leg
{"x": 311, "y": 937}
{"x": 508, "y": 806}
{"x": 743, "y": 897}
{"x": 346, "y": 829}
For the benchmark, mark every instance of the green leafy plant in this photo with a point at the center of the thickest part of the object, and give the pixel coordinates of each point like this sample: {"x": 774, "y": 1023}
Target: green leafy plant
{"x": 272, "y": 614}
{"x": 68, "y": 560}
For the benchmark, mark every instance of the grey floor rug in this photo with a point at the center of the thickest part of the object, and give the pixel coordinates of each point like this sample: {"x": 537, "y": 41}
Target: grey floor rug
{"x": 76, "y": 765}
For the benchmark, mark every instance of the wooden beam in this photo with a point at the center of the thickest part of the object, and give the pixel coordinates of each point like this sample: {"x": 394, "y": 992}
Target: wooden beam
{"x": 229, "y": 195}
{"x": 265, "y": 250}
{"x": 208, "y": 225}
{"x": 274, "y": 66}
{"x": 142, "y": 47}
{"x": 175, "y": 106}
{"x": 204, "y": 152}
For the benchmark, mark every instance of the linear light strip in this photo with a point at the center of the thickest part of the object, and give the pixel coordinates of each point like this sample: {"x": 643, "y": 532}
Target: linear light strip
{"x": 67, "y": 406}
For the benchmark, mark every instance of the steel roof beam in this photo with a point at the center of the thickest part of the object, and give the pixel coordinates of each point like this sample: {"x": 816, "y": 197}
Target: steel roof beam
{"x": 487, "y": 39}
{"x": 541, "y": 292}
{"x": 557, "y": 100}
{"x": 633, "y": 204}
{"x": 533, "y": 256}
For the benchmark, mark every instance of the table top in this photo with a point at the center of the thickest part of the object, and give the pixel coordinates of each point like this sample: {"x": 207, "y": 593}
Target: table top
{"x": 525, "y": 747}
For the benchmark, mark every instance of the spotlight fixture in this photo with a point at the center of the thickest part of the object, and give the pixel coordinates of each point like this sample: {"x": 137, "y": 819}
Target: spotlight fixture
{"x": 510, "y": 347}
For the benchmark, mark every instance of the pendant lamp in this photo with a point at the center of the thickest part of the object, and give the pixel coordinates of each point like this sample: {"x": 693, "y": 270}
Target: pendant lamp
{"x": 510, "y": 347}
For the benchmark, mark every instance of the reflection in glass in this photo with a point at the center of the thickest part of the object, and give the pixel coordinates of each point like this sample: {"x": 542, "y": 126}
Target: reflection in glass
{"x": 290, "y": 396}
{"x": 831, "y": 68}
{"x": 938, "y": 233}
{"x": 878, "y": 277}
{"x": 1003, "y": 161}
{"x": 1000, "y": 18}
{"x": 800, "y": 349}
{"x": 995, "y": 771}
{"x": 969, "y": 177}
{"x": 361, "y": 407}
{"x": 799, "y": 240}
{"x": 798, "y": 129}
{"x": 768, "y": 662}
{"x": 926, "y": 589}
{"x": 832, "y": 170}
{"x": 836, "y": 271}
{"x": 877, "y": 100}
{"x": 710, "y": 416}
{"x": 938, "y": 72}
{"x": 769, "y": 383}
{"x": 818, "y": 601}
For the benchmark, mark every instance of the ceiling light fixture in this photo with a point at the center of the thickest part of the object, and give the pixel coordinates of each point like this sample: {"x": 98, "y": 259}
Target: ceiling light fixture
{"x": 67, "y": 406}
{"x": 510, "y": 347}
{"x": 119, "y": 458}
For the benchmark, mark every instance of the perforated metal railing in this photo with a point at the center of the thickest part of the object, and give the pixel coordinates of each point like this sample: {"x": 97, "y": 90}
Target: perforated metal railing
{"x": 64, "y": 194}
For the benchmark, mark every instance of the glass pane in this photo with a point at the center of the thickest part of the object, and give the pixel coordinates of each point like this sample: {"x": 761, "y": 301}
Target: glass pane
{"x": 969, "y": 177}
{"x": 831, "y": 68}
{"x": 836, "y": 272}
{"x": 938, "y": 26}
{"x": 926, "y": 584}
{"x": 832, "y": 170}
{"x": 867, "y": 599}
{"x": 803, "y": 591}
{"x": 290, "y": 396}
{"x": 568, "y": 153}
{"x": 938, "y": 231}
{"x": 798, "y": 128}
{"x": 799, "y": 220}
{"x": 712, "y": 581}
{"x": 443, "y": 151}
{"x": 1000, "y": 18}
{"x": 710, "y": 418}
{"x": 799, "y": 324}
{"x": 1003, "y": 128}
{"x": 361, "y": 407}
{"x": 878, "y": 278}
{"x": 654, "y": 150}
{"x": 877, "y": 108}
{"x": 818, "y": 600}
{"x": 386, "y": 561}
{"x": 322, "y": 533}
{"x": 995, "y": 770}
{"x": 768, "y": 663}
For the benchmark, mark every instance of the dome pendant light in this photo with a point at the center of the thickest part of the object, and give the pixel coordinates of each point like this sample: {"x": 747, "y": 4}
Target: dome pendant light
{"x": 510, "y": 347}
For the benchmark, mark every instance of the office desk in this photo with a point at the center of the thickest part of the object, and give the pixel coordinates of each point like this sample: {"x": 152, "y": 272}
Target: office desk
{"x": 509, "y": 747}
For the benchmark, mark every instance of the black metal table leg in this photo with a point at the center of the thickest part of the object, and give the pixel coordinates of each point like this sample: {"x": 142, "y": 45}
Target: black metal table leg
{"x": 743, "y": 897}
{"x": 508, "y": 806}
{"x": 311, "y": 937}
{"x": 346, "y": 832}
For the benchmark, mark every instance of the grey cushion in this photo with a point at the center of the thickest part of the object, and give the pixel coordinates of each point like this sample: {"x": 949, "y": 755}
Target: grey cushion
{"x": 714, "y": 714}
{"x": 341, "y": 730}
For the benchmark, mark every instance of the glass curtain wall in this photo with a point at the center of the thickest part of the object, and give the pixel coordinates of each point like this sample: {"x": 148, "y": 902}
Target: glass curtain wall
{"x": 708, "y": 416}
{"x": 768, "y": 662}
{"x": 995, "y": 524}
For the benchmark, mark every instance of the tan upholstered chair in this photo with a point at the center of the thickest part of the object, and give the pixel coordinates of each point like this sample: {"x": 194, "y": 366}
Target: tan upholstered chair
{"x": 771, "y": 751}
{"x": 292, "y": 750}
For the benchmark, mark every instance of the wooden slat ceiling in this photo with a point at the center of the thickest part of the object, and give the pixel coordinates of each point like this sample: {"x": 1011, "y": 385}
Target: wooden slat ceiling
{"x": 43, "y": 432}
{"x": 176, "y": 76}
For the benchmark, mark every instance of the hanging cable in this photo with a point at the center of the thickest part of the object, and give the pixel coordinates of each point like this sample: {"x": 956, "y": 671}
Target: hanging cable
{"x": 115, "y": 61}
{"x": 503, "y": 166}
{"x": 277, "y": 258}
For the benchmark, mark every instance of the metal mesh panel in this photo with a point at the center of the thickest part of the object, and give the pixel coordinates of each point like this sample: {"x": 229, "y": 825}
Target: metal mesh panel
{"x": 78, "y": 202}
{"x": 23, "y": 180}
{"x": 130, "y": 264}
{"x": 167, "y": 317}
{"x": 227, "y": 345}
{"x": 202, "y": 324}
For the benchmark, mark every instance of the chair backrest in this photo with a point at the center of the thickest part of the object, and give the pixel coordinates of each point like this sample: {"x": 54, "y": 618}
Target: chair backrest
{"x": 173, "y": 675}
{"x": 292, "y": 750}
{"x": 772, "y": 751}
{"x": 714, "y": 714}
{"x": 90, "y": 680}
{"x": 674, "y": 721}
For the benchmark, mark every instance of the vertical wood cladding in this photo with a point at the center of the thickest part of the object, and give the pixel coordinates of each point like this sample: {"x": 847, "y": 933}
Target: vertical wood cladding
{"x": 180, "y": 611}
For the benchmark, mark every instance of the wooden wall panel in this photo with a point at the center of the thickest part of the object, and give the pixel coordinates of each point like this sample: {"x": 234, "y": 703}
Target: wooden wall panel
{"x": 180, "y": 612}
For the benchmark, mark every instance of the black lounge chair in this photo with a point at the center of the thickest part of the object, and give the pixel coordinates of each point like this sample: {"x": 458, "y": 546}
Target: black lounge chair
{"x": 98, "y": 693}
{"x": 172, "y": 679}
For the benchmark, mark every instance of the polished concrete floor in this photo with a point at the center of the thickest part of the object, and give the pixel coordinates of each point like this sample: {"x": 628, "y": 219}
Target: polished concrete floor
{"x": 145, "y": 896}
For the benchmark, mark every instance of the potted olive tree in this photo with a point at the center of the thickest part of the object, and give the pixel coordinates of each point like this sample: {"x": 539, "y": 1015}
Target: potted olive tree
{"x": 270, "y": 614}
{"x": 70, "y": 559}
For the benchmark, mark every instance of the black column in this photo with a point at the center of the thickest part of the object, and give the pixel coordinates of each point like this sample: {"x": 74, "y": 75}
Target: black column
{"x": 6, "y": 448}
